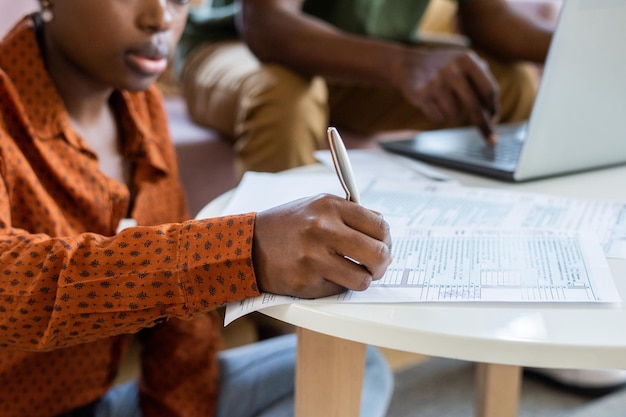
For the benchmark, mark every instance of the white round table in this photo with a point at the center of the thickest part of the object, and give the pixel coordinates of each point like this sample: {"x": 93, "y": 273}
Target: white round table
{"x": 503, "y": 337}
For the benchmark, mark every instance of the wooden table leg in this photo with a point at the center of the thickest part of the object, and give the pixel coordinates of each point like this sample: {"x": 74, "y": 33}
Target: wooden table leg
{"x": 329, "y": 375}
{"x": 498, "y": 390}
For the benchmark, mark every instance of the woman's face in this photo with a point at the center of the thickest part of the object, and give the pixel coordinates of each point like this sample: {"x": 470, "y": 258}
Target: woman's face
{"x": 124, "y": 44}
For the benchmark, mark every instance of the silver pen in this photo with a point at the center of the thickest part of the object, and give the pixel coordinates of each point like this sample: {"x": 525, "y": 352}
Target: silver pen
{"x": 342, "y": 165}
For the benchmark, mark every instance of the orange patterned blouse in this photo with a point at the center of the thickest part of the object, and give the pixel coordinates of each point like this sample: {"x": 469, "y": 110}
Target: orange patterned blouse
{"x": 71, "y": 289}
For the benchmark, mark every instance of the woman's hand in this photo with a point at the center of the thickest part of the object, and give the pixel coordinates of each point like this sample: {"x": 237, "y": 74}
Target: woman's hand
{"x": 308, "y": 248}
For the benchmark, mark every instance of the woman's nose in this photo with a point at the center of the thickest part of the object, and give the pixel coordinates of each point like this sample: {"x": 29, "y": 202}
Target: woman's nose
{"x": 154, "y": 15}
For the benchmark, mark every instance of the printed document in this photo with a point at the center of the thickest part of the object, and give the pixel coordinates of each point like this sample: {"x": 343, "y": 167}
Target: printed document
{"x": 453, "y": 243}
{"x": 488, "y": 265}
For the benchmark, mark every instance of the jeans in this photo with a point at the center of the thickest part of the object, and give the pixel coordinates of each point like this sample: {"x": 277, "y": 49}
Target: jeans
{"x": 264, "y": 371}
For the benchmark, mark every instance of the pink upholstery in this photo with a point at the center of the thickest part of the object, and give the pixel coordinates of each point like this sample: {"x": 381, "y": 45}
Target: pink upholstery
{"x": 205, "y": 158}
{"x": 13, "y": 10}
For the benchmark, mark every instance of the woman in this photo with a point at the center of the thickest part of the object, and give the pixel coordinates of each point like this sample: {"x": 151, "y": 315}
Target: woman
{"x": 84, "y": 148}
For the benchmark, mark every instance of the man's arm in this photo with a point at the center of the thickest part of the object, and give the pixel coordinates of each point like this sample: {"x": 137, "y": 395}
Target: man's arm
{"x": 501, "y": 30}
{"x": 278, "y": 31}
{"x": 444, "y": 83}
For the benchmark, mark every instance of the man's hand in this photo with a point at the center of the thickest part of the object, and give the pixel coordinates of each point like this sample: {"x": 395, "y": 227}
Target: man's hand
{"x": 450, "y": 85}
{"x": 306, "y": 248}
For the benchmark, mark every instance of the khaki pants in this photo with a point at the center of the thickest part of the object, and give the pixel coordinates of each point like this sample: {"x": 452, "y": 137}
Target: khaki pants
{"x": 278, "y": 118}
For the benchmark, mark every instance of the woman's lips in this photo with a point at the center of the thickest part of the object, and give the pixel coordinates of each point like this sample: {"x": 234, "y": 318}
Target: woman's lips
{"x": 148, "y": 65}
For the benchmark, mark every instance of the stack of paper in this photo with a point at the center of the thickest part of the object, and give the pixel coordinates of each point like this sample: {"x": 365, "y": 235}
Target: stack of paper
{"x": 454, "y": 243}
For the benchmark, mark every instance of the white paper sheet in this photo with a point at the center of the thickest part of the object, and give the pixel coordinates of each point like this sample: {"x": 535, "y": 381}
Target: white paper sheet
{"x": 407, "y": 205}
{"x": 488, "y": 265}
{"x": 259, "y": 191}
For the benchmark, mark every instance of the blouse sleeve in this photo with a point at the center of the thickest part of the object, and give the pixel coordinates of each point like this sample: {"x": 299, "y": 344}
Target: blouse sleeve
{"x": 57, "y": 292}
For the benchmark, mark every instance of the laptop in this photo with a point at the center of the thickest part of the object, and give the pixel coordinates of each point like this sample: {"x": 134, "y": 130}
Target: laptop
{"x": 578, "y": 120}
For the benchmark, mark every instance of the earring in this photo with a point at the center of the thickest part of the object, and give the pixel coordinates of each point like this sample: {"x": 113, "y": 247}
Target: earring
{"x": 46, "y": 11}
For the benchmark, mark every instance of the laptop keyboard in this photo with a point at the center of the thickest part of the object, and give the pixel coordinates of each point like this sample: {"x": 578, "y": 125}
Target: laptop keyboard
{"x": 507, "y": 150}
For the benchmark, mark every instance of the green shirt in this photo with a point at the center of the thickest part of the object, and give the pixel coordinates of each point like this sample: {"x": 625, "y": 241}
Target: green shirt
{"x": 384, "y": 19}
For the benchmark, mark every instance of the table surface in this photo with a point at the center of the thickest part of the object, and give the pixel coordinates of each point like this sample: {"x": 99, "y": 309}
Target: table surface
{"x": 524, "y": 334}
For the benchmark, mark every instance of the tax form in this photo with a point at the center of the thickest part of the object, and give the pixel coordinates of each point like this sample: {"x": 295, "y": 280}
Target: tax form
{"x": 477, "y": 266}
{"x": 463, "y": 244}
{"x": 407, "y": 206}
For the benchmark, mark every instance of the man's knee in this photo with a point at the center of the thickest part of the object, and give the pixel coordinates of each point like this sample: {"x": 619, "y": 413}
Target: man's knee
{"x": 284, "y": 96}
{"x": 276, "y": 117}
{"x": 281, "y": 120}
{"x": 211, "y": 79}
